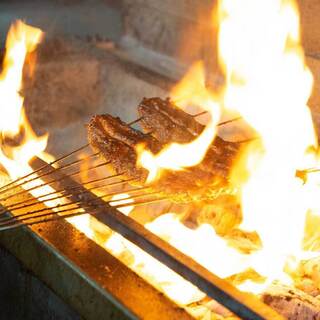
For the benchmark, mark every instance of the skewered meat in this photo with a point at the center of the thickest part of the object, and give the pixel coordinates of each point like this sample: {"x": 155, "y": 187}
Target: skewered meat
{"x": 169, "y": 124}
{"x": 117, "y": 142}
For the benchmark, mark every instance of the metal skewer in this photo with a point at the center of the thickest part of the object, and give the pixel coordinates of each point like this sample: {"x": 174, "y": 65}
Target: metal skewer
{"x": 66, "y": 166}
{"x": 14, "y": 224}
{"x": 47, "y": 165}
{"x": 199, "y": 114}
{"x": 18, "y": 219}
{"x": 12, "y": 206}
{"x": 61, "y": 194}
{"x": 53, "y": 181}
{"x": 194, "y": 115}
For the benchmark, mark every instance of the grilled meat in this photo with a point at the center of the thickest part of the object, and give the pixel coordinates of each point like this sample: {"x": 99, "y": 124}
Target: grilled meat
{"x": 115, "y": 140}
{"x": 117, "y": 143}
{"x": 169, "y": 124}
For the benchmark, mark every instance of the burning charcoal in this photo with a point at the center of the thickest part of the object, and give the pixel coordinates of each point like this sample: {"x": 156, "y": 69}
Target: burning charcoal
{"x": 169, "y": 124}
{"x": 117, "y": 143}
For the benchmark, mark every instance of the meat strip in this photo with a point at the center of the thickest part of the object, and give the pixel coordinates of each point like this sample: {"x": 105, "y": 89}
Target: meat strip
{"x": 168, "y": 123}
{"x": 117, "y": 143}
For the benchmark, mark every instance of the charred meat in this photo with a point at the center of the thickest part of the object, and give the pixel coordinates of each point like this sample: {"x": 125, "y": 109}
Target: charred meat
{"x": 168, "y": 123}
{"x": 117, "y": 142}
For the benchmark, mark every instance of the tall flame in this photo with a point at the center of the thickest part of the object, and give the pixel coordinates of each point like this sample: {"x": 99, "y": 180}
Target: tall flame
{"x": 19, "y": 143}
{"x": 191, "y": 90}
{"x": 268, "y": 83}
{"x": 14, "y": 125}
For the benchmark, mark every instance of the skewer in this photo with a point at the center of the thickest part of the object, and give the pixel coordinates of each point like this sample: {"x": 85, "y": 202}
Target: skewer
{"x": 35, "y": 201}
{"x": 49, "y": 182}
{"x": 195, "y": 115}
{"x": 229, "y": 121}
{"x": 13, "y": 221}
{"x": 17, "y": 216}
{"x": 47, "y": 165}
{"x": 64, "y": 190}
{"x": 311, "y": 170}
{"x": 303, "y": 174}
{"x": 248, "y": 140}
{"x": 135, "y": 121}
{"x": 19, "y": 223}
{"x": 69, "y": 165}
{"x": 69, "y": 189}
{"x": 199, "y": 114}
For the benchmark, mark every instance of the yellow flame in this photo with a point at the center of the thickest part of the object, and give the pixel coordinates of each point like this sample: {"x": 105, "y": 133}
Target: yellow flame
{"x": 176, "y": 156}
{"x": 268, "y": 83}
{"x": 21, "y": 40}
{"x": 122, "y": 198}
{"x": 14, "y": 125}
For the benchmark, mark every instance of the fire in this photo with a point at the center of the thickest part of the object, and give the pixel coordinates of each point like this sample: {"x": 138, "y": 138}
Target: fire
{"x": 21, "y": 40}
{"x": 268, "y": 83}
{"x": 14, "y": 126}
{"x": 176, "y": 156}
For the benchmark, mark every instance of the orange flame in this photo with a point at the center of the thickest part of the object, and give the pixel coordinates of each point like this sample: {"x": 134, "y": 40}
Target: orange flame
{"x": 14, "y": 125}
{"x": 179, "y": 156}
{"x": 268, "y": 84}
{"x": 21, "y": 40}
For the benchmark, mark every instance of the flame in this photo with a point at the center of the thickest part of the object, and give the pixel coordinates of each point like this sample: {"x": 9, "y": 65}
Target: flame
{"x": 19, "y": 142}
{"x": 268, "y": 83}
{"x": 15, "y": 157}
{"x": 21, "y": 40}
{"x": 122, "y": 198}
{"x": 176, "y": 156}
{"x": 14, "y": 126}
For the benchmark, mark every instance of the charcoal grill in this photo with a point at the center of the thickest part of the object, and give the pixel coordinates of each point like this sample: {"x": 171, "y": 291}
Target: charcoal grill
{"x": 242, "y": 304}
{"x": 88, "y": 278}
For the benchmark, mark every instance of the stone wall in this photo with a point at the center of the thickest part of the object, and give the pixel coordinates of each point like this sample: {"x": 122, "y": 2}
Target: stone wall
{"x": 178, "y": 30}
{"x": 167, "y": 26}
